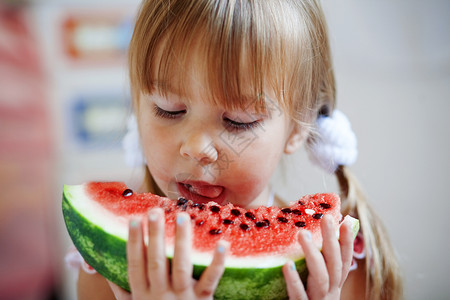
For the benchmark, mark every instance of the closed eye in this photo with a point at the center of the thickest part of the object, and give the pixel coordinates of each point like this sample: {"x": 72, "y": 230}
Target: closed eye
{"x": 233, "y": 125}
{"x": 167, "y": 114}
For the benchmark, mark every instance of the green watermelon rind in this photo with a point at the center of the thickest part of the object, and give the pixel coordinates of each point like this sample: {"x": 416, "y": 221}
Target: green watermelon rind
{"x": 106, "y": 253}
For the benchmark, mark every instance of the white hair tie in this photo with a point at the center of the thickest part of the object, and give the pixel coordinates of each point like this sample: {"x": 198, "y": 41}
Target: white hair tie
{"x": 131, "y": 145}
{"x": 335, "y": 143}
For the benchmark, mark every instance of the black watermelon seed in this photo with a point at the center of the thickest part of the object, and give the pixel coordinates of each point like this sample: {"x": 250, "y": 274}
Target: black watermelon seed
{"x": 127, "y": 193}
{"x": 215, "y": 231}
{"x": 286, "y": 210}
{"x": 215, "y": 209}
{"x": 244, "y": 227}
{"x": 235, "y": 212}
{"x": 260, "y": 224}
{"x": 317, "y": 216}
{"x": 200, "y": 223}
{"x": 181, "y": 201}
{"x": 282, "y": 220}
{"x": 296, "y": 212}
{"x": 227, "y": 221}
{"x": 300, "y": 224}
{"x": 196, "y": 205}
{"x": 193, "y": 217}
{"x": 264, "y": 223}
{"x": 250, "y": 215}
{"x": 325, "y": 205}
{"x": 301, "y": 203}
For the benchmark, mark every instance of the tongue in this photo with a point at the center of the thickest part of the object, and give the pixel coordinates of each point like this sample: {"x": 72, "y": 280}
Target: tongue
{"x": 210, "y": 191}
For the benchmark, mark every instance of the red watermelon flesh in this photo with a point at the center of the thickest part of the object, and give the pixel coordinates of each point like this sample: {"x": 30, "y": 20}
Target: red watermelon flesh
{"x": 257, "y": 231}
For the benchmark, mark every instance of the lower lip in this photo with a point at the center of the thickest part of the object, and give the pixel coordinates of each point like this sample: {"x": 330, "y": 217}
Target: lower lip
{"x": 186, "y": 193}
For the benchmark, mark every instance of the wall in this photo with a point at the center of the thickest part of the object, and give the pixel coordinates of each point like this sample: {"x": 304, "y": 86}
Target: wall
{"x": 392, "y": 63}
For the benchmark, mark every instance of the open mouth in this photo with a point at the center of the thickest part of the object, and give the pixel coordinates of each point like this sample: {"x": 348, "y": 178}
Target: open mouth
{"x": 202, "y": 192}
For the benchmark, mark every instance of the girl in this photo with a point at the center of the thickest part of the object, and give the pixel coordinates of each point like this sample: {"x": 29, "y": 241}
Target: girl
{"x": 221, "y": 90}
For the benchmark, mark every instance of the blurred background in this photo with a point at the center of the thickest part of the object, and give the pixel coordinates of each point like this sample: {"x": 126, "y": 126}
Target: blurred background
{"x": 64, "y": 100}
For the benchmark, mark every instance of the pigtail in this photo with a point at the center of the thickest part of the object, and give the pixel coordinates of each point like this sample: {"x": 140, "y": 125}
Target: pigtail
{"x": 383, "y": 279}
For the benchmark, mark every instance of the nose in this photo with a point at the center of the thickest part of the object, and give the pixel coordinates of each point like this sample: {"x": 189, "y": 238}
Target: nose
{"x": 199, "y": 147}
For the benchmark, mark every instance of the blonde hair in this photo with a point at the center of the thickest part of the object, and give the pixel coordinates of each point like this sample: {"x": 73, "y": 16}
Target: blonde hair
{"x": 277, "y": 44}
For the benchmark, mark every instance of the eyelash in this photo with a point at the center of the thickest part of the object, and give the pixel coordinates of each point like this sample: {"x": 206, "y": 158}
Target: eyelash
{"x": 159, "y": 112}
{"x": 231, "y": 125}
{"x": 238, "y": 126}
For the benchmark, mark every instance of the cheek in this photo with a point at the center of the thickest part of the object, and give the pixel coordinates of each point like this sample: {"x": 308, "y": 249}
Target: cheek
{"x": 253, "y": 169}
{"x": 158, "y": 150}
{"x": 250, "y": 182}
{"x": 256, "y": 164}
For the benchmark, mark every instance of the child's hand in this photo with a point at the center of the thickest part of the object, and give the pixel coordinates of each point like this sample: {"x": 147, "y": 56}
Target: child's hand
{"x": 148, "y": 267}
{"x": 327, "y": 270}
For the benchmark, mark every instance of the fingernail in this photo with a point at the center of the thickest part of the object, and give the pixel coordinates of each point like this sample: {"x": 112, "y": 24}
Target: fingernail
{"x": 307, "y": 235}
{"x": 181, "y": 219}
{"x": 152, "y": 216}
{"x": 134, "y": 223}
{"x": 293, "y": 268}
{"x": 221, "y": 248}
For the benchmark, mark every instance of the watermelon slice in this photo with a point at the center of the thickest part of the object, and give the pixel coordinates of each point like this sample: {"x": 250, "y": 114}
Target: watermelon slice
{"x": 261, "y": 240}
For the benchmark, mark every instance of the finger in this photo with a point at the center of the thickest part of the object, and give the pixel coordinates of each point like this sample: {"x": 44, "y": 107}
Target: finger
{"x": 182, "y": 266}
{"x": 119, "y": 293}
{"x": 318, "y": 273}
{"x": 209, "y": 280}
{"x": 346, "y": 244}
{"x": 331, "y": 251}
{"x": 156, "y": 255}
{"x": 294, "y": 285}
{"x": 136, "y": 259}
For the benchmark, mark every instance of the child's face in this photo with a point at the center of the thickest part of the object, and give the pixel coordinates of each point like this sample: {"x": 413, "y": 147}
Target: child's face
{"x": 204, "y": 152}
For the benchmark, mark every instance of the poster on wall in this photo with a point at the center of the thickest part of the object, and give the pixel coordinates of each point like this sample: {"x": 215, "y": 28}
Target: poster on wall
{"x": 97, "y": 120}
{"x": 92, "y": 38}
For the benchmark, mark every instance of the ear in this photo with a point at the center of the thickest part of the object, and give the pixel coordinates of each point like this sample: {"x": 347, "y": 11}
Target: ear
{"x": 296, "y": 138}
